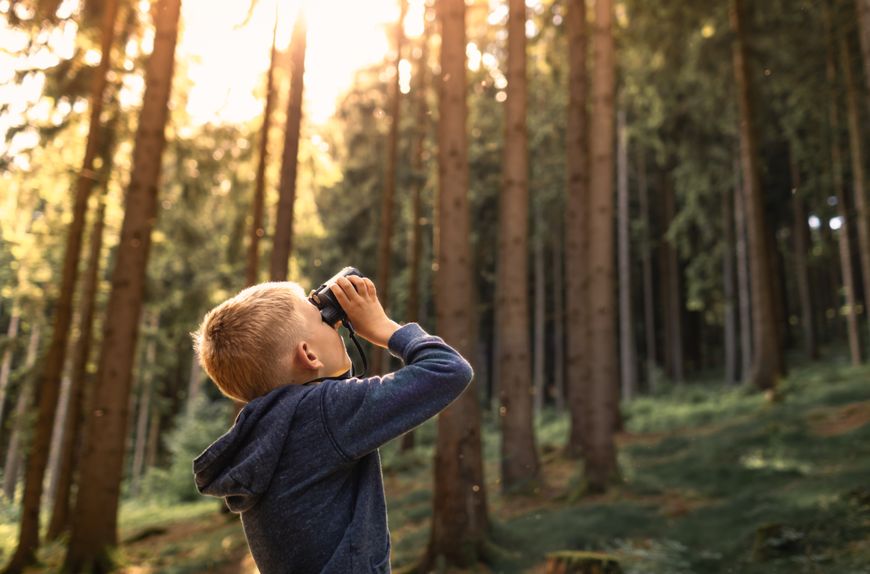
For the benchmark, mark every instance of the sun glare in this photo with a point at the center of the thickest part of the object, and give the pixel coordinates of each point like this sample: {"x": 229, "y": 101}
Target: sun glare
{"x": 226, "y": 62}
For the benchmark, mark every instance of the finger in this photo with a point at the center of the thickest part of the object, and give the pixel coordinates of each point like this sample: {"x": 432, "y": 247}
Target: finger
{"x": 358, "y": 284}
{"x": 347, "y": 289}
{"x": 340, "y": 295}
{"x": 370, "y": 287}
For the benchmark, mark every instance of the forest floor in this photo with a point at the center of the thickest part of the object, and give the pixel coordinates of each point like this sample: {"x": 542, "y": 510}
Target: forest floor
{"x": 714, "y": 480}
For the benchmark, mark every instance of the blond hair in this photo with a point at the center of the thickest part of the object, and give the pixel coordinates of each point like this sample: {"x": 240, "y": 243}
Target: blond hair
{"x": 244, "y": 343}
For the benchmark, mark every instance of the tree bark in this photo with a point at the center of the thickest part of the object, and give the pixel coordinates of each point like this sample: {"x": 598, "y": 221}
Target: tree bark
{"x": 599, "y": 451}
{"x": 385, "y": 238}
{"x": 676, "y": 358}
{"x": 460, "y": 521}
{"x": 766, "y": 357}
{"x": 845, "y": 248}
{"x": 863, "y": 9}
{"x": 856, "y": 146}
{"x": 283, "y": 239}
{"x": 577, "y": 226}
{"x": 419, "y": 180}
{"x": 744, "y": 291}
{"x": 541, "y": 358}
{"x": 627, "y": 355}
{"x": 57, "y": 437}
{"x": 48, "y": 386}
{"x": 257, "y": 205}
{"x": 6, "y": 366}
{"x": 648, "y": 291}
{"x": 94, "y": 525}
{"x": 730, "y": 334}
{"x": 144, "y": 407}
{"x": 71, "y": 446}
{"x": 519, "y": 459}
{"x": 25, "y": 399}
{"x": 558, "y": 323}
{"x": 801, "y": 249}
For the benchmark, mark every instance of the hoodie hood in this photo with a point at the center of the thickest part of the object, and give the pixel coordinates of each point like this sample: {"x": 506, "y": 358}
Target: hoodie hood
{"x": 239, "y": 466}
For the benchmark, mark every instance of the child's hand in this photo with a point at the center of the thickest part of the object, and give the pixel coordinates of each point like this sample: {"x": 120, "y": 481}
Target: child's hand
{"x": 359, "y": 299}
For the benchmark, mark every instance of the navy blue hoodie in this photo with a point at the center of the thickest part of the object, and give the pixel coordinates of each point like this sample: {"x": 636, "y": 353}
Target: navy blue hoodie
{"x": 301, "y": 463}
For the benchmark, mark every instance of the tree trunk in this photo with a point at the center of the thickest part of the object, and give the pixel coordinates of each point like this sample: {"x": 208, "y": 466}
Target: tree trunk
{"x": 863, "y": 9}
{"x": 519, "y": 459}
{"x": 94, "y": 525}
{"x": 257, "y": 206}
{"x": 460, "y": 521}
{"x": 419, "y": 180}
{"x": 648, "y": 292}
{"x": 144, "y": 408}
{"x": 194, "y": 383}
{"x": 856, "y": 146}
{"x": 71, "y": 447}
{"x": 6, "y": 366}
{"x": 541, "y": 357}
{"x": 766, "y": 357}
{"x": 599, "y": 451}
{"x": 627, "y": 353}
{"x": 845, "y": 248}
{"x": 558, "y": 323}
{"x": 744, "y": 291}
{"x": 283, "y": 239}
{"x": 153, "y": 442}
{"x": 730, "y": 334}
{"x": 577, "y": 226}
{"x": 674, "y": 284}
{"x": 801, "y": 249}
{"x": 48, "y": 386}
{"x": 57, "y": 437}
{"x": 385, "y": 240}
{"x": 22, "y": 404}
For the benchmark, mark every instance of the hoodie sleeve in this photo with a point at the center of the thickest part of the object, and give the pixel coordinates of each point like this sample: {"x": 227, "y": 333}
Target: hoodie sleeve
{"x": 362, "y": 414}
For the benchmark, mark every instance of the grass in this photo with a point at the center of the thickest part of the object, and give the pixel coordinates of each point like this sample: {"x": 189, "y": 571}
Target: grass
{"x": 714, "y": 480}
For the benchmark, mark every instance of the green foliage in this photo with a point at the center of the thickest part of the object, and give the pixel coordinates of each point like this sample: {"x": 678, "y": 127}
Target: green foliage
{"x": 193, "y": 433}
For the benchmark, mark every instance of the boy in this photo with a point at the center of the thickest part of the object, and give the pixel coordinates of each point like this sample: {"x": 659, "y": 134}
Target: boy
{"x": 301, "y": 463}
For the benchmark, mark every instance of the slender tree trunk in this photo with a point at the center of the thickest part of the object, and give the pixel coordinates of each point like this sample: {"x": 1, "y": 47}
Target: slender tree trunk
{"x": 766, "y": 357}
{"x": 385, "y": 239}
{"x": 627, "y": 355}
{"x": 541, "y": 357}
{"x": 283, "y": 239}
{"x": 48, "y": 386}
{"x": 460, "y": 521}
{"x": 519, "y": 459}
{"x": 730, "y": 334}
{"x": 6, "y": 366}
{"x": 801, "y": 248}
{"x": 648, "y": 292}
{"x": 94, "y": 525}
{"x": 842, "y": 207}
{"x": 57, "y": 437}
{"x": 744, "y": 291}
{"x": 257, "y": 206}
{"x": 194, "y": 383}
{"x": 153, "y": 443}
{"x": 674, "y": 300}
{"x": 71, "y": 446}
{"x": 144, "y": 409}
{"x": 577, "y": 227}
{"x": 413, "y": 311}
{"x": 863, "y": 9}
{"x": 856, "y": 146}
{"x": 14, "y": 453}
{"x": 558, "y": 385}
{"x": 599, "y": 451}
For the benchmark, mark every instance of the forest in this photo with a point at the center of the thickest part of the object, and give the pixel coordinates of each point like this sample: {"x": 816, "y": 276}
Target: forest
{"x": 644, "y": 225}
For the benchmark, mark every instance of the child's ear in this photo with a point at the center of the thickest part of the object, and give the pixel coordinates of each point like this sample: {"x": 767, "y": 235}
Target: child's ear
{"x": 305, "y": 357}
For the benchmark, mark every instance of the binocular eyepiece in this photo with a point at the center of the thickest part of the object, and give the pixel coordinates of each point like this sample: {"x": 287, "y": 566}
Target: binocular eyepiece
{"x": 325, "y": 300}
